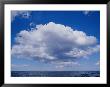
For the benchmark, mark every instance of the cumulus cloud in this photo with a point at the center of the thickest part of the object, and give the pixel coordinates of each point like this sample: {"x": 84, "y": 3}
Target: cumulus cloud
{"x": 23, "y": 14}
{"x": 76, "y": 52}
{"x": 54, "y": 42}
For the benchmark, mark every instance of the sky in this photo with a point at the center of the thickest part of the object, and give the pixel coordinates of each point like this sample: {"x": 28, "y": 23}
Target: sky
{"x": 55, "y": 40}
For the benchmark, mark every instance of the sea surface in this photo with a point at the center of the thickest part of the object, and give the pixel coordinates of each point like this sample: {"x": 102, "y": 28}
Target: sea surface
{"x": 55, "y": 73}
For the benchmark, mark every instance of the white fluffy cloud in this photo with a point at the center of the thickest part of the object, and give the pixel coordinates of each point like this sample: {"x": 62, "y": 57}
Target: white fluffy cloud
{"x": 54, "y": 42}
{"x": 23, "y": 14}
{"x": 76, "y": 52}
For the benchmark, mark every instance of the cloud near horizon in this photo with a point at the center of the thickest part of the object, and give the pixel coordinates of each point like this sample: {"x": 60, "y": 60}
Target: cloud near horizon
{"x": 54, "y": 42}
{"x": 97, "y": 63}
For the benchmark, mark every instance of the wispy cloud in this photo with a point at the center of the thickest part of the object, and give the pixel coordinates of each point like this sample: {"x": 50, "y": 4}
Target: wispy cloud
{"x": 86, "y": 12}
{"x": 97, "y": 63}
{"x": 22, "y": 65}
{"x": 23, "y": 14}
{"x": 54, "y": 42}
{"x": 60, "y": 64}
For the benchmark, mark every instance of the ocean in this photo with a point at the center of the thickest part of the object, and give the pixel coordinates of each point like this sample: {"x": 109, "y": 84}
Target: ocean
{"x": 55, "y": 73}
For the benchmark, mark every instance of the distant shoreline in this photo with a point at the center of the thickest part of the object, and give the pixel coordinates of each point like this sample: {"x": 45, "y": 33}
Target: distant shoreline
{"x": 55, "y": 73}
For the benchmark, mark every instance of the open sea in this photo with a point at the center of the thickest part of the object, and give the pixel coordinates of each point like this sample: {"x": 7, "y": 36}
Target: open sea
{"x": 55, "y": 73}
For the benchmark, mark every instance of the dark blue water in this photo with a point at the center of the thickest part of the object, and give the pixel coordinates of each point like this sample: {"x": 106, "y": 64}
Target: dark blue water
{"x": 55, "y": 74}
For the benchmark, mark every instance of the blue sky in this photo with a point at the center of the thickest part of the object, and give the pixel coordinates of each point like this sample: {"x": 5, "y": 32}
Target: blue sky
{"x": 39, "y": 41}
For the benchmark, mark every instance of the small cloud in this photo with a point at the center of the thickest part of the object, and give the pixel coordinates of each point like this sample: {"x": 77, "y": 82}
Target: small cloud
{"x": 97, "y": 63}
{"x": 59, "y": 66}
{"x": 32, "y": 25}
{"x": 22, "y": 65}
{"x": 86, "y": 12}
{"x": 62, "y": 64}
{"x": 23, "y": 14}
